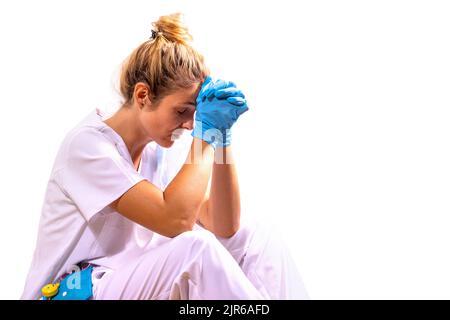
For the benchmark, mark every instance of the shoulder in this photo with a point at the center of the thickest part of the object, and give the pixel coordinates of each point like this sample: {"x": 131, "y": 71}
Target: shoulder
{"x": 88, "y": 136}
{"x": 84, "y": 145}
{"x": 88, "y": 139}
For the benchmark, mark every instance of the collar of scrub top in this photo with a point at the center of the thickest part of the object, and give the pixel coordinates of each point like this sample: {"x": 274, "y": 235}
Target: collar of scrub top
{"x": 123, "y": 150}
{"x": 118, "y": 141}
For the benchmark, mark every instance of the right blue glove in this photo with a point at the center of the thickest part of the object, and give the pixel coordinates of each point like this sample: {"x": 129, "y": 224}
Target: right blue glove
{"x": 219, "y": 105}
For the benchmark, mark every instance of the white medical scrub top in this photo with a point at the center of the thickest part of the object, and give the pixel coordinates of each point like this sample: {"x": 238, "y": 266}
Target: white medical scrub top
{"x": 92, "y": 169}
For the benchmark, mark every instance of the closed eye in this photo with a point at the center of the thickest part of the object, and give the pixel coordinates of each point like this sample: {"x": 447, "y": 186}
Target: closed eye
{"x": 182, "y": 111}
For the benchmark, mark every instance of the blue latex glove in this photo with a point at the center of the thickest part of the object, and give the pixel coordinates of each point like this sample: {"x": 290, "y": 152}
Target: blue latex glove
{"x": 221, "y": 90}
{"x": 210, "y": 86}
{"x": 219, "y": 105}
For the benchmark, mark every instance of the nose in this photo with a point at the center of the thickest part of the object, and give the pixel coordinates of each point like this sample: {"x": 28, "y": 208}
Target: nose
{"x": 188, "y": 125}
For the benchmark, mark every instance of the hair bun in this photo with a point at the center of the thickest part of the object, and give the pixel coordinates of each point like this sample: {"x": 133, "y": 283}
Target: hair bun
{"x": 172, "y": 28}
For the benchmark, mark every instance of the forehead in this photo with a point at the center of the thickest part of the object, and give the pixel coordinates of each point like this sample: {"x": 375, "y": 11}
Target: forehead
{"x": 187, "y": 95}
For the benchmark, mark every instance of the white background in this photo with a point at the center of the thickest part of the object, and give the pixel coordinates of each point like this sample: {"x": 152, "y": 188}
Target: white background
{"x": 345, "y": 148}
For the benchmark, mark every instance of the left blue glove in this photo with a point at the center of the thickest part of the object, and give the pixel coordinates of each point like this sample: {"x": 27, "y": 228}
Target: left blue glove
{"x": 219, "y": 105}
{"x": 221, "y": 90}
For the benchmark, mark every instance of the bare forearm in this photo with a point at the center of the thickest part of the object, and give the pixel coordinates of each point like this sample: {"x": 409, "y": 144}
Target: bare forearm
{"x": 187, "y": 190}
{"x": 224, "y": 207}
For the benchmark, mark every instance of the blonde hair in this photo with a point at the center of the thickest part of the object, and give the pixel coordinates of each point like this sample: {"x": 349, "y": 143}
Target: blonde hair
{"x": 165, "y": 63}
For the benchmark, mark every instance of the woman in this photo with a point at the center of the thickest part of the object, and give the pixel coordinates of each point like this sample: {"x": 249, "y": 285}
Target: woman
{"x": 147, "y": 226}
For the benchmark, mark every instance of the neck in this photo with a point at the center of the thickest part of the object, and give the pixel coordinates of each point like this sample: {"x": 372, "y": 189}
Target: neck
{"x": 125, "y": 123}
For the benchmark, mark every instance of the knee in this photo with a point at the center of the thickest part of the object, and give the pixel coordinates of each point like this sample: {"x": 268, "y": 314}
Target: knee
{"x": 255, "y": 234}
{"x": 250, "y": 229}
{"x": 198, "y": 245}
{"x": 199, "y": 236}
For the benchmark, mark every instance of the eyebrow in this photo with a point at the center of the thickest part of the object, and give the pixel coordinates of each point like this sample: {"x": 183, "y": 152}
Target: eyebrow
{"x": 193, "y": 103}
{"x": 187, "y": 105}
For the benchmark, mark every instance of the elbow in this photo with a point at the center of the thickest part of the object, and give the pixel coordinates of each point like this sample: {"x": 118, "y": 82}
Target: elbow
{"x": 226, "y": 234}
{"x": 181, "y": 226}
{"x": 186, "y": 225}
{"x": 186, "y": 219}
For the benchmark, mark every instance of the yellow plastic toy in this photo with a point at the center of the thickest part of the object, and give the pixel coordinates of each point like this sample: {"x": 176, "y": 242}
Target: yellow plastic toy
{"x": 50, "y": 290}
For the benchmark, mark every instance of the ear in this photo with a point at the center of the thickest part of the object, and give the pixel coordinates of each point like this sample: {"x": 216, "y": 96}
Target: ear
{"x": 141, "y": 94}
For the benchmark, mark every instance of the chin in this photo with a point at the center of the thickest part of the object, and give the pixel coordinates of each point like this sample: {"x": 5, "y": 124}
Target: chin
{"x": 165, "y": 143}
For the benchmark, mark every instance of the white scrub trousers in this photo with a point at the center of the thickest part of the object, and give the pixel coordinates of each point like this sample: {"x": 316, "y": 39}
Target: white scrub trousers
{"x": 253, "y": 264}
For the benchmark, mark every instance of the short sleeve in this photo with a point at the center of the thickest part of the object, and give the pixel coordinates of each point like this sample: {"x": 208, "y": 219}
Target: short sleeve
{"x": 95, "y": 174}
